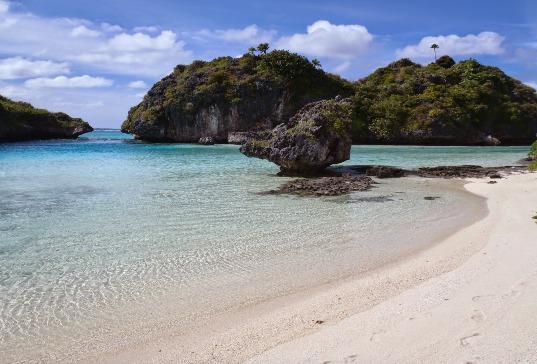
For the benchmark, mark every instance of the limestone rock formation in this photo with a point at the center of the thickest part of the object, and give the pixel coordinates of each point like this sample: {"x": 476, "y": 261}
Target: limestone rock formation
{"x": 316, "y": 137}
{"x": 227, "y": 95}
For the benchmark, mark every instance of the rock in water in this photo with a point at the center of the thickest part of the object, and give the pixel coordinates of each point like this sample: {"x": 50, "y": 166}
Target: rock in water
{"x": 206, "y": 140}
{"x": 22, "y": 121}
{"x": 239, "y": 137}
{"x": 326, "y": 186}
{"x": 316, "y": 137}
{"x": 385, "y": 172}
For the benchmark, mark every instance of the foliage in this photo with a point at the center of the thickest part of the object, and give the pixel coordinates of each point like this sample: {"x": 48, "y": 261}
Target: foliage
{"x": 442, "y": 102}
{"x": 445, "y": 62}
{"x": 263, "y": 48}
{"x": 22, "y": 119}
{"x": 407, "y": 100}
{"x": 227, "y": 81}
{"x": 533, "y": 151}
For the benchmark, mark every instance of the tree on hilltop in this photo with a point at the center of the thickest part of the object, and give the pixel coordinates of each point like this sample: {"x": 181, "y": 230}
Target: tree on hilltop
{"x": 263, "y": 48}
{"x": 435, "y": 46}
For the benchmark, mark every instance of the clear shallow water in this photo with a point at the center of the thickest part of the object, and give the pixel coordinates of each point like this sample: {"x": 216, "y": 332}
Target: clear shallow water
{"x": 99, "y": 232}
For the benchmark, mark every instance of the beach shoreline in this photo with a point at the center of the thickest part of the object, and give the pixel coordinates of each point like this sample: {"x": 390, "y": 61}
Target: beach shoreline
{"x": 303, "y": 327}
{"x": 479, "y": 307}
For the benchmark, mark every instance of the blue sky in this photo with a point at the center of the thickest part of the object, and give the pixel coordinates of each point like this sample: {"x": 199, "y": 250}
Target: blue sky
{"x": 97, "y": 59}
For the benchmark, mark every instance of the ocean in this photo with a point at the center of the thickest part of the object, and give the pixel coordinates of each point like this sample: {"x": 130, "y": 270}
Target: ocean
{"x": 105, "y": 237}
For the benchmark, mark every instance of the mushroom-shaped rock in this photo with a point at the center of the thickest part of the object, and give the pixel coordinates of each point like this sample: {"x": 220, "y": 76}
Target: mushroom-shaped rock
{"x": 314, "y": 138}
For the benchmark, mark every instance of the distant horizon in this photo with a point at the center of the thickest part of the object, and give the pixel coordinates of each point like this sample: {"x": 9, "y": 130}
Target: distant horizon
{"x": 95, "y": 61}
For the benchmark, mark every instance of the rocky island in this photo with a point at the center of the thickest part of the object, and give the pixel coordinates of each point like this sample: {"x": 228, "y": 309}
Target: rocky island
{"x": 21, "y": 121}
{"x": 442, "y": 103}
{"x": 227, "y": 95}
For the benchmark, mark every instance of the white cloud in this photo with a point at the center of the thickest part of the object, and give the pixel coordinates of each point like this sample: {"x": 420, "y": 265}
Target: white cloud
{"x": 251, "y": 35}
{"x": 83, "y": 31}
{"x": 18, "y": 67}
{"x": 140, "y": 42}
{"x": 324, "y": 39}
{"x": 146, "y": 29}
{"x": 4, "y": 7}
{"x": 66, "y": 82}
{"x": 102, "y": 47}
{"x": 111, "y": 28}
{"x": 484, "y": 43}
{"x": 137, "y": 84}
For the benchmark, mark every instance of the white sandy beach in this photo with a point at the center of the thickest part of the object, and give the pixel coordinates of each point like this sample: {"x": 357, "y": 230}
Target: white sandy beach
{"x": 470, "y": 298}
{"x": 483, "y": 310}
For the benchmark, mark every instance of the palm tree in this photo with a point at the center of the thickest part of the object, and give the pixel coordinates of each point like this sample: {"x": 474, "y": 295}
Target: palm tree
{"x": 251, "y": 51}
{"x": 315, "y": 62}
{"x": 435, "y": 46}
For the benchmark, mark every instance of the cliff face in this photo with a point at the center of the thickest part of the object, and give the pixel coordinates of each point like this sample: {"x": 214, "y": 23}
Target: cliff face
{"x": 226, "y": 95}
{"x": 445, "y": 102}
{"x": 21, "y": 121}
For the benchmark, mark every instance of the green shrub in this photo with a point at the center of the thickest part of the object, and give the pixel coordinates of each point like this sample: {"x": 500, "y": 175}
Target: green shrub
{"x": 533, "y": 151}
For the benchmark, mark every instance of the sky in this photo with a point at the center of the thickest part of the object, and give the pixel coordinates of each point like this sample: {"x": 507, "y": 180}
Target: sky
{"x": 96, "y": 59}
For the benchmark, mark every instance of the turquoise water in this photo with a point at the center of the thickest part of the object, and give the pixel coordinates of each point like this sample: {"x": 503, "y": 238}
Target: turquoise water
{"x": 96, "y": 232}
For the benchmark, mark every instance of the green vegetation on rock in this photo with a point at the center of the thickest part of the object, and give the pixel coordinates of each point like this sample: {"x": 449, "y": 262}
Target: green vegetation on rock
{"x": 255, "y": 91}
{"x": 315, "y": 137}
{"x": 443, "y": 102}
{"x": 22, "y": 121}
{"x": 533, "y": 151}
{"x": 533, "y": 157}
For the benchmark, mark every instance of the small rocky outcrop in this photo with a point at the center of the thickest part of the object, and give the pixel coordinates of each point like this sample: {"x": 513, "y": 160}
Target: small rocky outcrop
{"x": 346, "y": 179}
{"x": 206, "y": 140}
{"x": 492, "y": 141}
{"x": 240, "y": 137}
{"x": 382, "y": 171}
{"x": 466, "y": 171}
{"x": 21, "y": 121}
{"x": 316, "y": 137}
{"x": 326, "y": 186}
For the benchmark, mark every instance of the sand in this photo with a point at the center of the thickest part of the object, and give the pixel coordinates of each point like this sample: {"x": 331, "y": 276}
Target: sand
{"x": 483, "y": 308}
{"x": 470, "y": 298}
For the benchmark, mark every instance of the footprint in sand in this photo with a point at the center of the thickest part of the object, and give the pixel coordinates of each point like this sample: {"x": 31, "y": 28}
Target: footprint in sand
{"x": 478, "y": 316}
{"x": 513, "y": 293}
{"x": 375, "y": 336}
{"x": 465, "y": 340}
{"x": 482, "y": 297}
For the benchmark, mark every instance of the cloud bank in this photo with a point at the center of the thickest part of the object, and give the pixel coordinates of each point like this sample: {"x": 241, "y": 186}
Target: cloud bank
{"x": 324, "y": 39}
{"x": 489, "y": 43}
